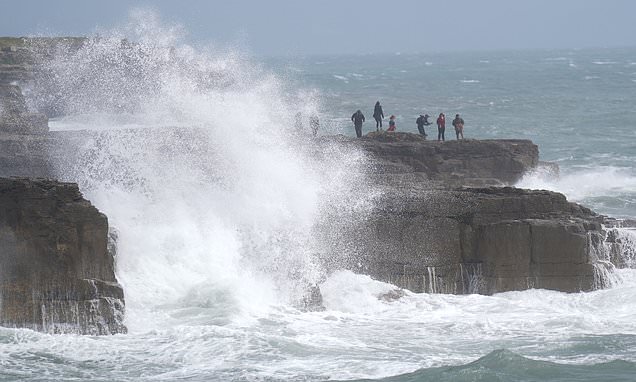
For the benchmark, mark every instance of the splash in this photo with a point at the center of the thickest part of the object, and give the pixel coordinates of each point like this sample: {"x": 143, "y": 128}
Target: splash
{"x": 605, "y": 189}
{"x": 194, "y": 157}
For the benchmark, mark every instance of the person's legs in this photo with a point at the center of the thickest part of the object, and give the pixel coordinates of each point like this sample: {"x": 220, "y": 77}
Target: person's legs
{"x": 359, "y": 131}
{"x": 443, "y": 129}
{"x": 461, "y": 132}
{"x": 421, "y": 130}
{"x": 439, "y": 133}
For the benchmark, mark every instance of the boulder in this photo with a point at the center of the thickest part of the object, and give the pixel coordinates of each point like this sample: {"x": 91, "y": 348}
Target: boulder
{"x": 56, "y": 274}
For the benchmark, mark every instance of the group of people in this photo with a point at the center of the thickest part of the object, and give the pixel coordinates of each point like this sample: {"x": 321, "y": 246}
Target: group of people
{"x": 378, "y": 114}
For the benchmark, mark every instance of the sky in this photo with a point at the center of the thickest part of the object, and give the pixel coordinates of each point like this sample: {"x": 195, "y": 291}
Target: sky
{"x": 288, "y": 27}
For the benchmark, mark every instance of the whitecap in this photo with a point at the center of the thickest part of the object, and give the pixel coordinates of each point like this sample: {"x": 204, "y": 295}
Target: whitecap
{"x": 599, "y": 62}
{"x": 470, "y": 81}
{"x": 587, "y": 78}
{"x": 428, "y": 63}
{"x": 343, "y": 78}
{"x": 585, "y": 183}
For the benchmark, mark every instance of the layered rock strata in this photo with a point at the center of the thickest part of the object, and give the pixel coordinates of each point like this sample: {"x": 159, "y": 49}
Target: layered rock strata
{"x": 56, "y": 274}
{"x": 475, "y": 240}
{"x": 428, "y": 230}
{"x": 436, "y": 228}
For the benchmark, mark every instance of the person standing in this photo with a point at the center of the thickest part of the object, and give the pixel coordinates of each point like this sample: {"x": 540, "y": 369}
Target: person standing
{"x": 314, "y": 123}
{"x": 391, "y": 124}
{"x": 421, "y": 122}
{"x": 357, "y": 118}
{"x": 441, "y": 126}
{"x": 378, "y": 115}
{"x": 458, "y": 123}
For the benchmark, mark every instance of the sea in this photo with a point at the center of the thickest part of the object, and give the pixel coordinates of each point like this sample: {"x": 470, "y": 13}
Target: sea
{"x": 212, "y": 242}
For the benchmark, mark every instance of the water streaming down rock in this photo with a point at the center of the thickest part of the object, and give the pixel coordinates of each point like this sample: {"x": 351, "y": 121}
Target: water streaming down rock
{"x": 621, "y": 246}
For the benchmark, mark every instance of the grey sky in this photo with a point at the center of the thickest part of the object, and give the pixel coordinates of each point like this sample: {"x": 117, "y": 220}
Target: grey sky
{"x": 355, "y": 26}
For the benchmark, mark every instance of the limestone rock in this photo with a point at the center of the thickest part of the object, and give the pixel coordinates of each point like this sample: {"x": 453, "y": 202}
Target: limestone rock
{"x": 15, "y": 116}
{"x": 56, "y": 274}
{"x": 475, "y": 241}
{"x": 466, "y": 162}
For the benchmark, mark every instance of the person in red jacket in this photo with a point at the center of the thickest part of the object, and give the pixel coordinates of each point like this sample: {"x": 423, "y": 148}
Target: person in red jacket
{"x": 391, "y": 124}
{"x": 441, "y": 126}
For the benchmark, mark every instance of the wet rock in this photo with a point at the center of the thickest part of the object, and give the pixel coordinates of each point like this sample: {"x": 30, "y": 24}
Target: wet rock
{"x": 467, "y": 162}
{"x": 469, "y": 240}
{"x": 392, "y": 295}
{"x": 443, "y": 223}
{"x": 56, "y": 274}
{"x": 312, "y": 300}
{"x": 15, "y": 118}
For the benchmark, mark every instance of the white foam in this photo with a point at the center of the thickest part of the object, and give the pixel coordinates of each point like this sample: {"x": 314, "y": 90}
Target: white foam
{"x": 220, "y": 218}
{"x": 582, "y": 184}
{"x": 346, "y": 291}
{"x": 339, "y": 77}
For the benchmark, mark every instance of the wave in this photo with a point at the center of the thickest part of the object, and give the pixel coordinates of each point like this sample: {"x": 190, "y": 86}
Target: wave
{"x": 503, "y": 365}
{"x": 214, "y": 186}
{"x": 607, "y": 189}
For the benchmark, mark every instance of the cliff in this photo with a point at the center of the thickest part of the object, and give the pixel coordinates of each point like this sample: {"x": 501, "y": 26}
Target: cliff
{"x": 430, "y": 231}
{"x": 475, "y": 240}
{"x": 56, "y": 274}
{"x": 466, "y": 162}
{"x": 442, "y": 222}
{"x": 15, "y": 116}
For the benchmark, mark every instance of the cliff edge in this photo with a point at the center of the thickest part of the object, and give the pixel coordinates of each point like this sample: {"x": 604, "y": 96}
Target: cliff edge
{"x": 56, "y": 274}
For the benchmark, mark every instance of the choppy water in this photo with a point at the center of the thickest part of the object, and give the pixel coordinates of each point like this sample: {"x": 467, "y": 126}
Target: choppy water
{"x": 577, "y": 105}
{"x": 214, "y": 245}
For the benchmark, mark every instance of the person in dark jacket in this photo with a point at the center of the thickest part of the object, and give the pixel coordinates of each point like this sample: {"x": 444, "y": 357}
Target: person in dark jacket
{"x": 421, "y": 122}
{"x": 314, "y": 123}
{"x": 357, "y": 118}
{"x": 441, "y": 126}
{"x": 378, "y": 115}
{"x": 458, "y": 123}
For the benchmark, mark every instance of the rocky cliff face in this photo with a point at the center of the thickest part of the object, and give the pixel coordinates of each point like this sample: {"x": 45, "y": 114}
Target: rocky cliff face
{"x": 476, "y": 240}
{"x": 428, "y": 232}
{"x": 56, "y": 274}
{"x": 14, "y": 115}
{"x": 466, "y": 162}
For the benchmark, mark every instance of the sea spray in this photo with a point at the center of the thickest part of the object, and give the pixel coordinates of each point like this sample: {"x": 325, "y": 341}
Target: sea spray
{"x": 194, "y": 158}
{"x": 189, "y": 330}
{"x": 606, "y": 189}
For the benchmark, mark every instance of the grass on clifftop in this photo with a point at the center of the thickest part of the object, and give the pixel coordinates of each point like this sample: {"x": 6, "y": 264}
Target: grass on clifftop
{"x": 21, "y": 42}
